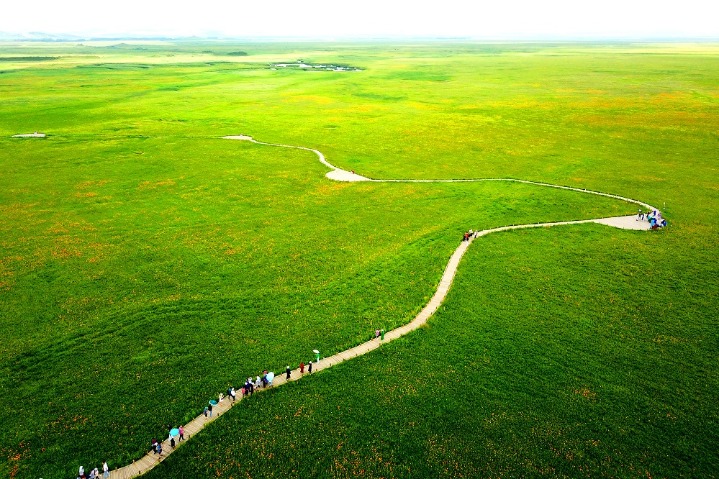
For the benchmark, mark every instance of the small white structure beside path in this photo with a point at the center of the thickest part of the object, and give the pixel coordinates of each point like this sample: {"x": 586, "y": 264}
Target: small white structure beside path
{"x": 150, "y": 460}
{"x": 30, "y": 135}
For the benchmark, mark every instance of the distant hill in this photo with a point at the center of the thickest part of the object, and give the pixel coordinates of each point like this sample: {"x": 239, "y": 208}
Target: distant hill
{"x": 68, "y": 37}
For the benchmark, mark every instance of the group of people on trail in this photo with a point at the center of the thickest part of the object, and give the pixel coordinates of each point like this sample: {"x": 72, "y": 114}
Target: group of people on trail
{"x": 248, "y": 388}
{"x": 250, "y": 385}
{"x": 653, "y": 217}
{"x": 469, "y": 235}
{"x": 178, "y": 432}
{"x": 95, "y": 473}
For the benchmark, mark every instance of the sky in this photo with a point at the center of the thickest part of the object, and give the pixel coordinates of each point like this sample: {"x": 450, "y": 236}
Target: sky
{"x": 336, "y": 19}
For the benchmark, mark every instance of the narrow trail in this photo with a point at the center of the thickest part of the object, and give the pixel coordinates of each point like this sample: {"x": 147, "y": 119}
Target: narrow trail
{"x": 339, "y": 174}
{"x": 151, "y": 460}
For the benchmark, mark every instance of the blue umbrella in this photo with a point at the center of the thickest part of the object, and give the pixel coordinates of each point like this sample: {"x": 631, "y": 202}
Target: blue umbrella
{"x": 174, "y": 432}
{"x": 213, "y": 403}
{"x": 270, "y": 377}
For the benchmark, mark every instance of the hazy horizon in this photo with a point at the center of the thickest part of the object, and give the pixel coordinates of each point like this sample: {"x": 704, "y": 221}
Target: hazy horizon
{"x": 372, "y": 19}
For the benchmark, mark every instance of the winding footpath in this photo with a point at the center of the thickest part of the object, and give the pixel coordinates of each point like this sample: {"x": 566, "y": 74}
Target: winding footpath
{"x": 151, "y": 460}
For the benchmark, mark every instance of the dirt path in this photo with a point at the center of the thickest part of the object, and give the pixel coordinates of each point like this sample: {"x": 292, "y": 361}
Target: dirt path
{"x": 150, "y": 460}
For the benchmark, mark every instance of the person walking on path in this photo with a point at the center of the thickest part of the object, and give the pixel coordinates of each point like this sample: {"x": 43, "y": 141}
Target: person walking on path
{"x": 182, "y": 433}
{"x": 288, "y": 371}
{"x": 209, "y": 409}
{"x": 302, "y": 367}
{"x": 309, "y": 368}
{"x": 105, "y": 470}
{"x": 205, "y": 411}
{"x": 159, "y": 449}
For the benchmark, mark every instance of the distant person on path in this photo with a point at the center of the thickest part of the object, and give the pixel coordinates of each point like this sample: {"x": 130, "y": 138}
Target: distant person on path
{"x": 302, "y": 367}
{"x": 172, "y": 442}
{"x": 105, "y": 470}
{"x": 288, "y": 371}
{"x": 159, "y": 449}
{"x": 92, "y": 474}
{"x": 264, "y": 379}
{"x": 182, "y": 433}
{"x": 205, "y": 411}
{"x": 154, "y": 446}
{"x": 309, "y": 367}
{"x": 209, "y": 409}
{"x": 376, "y": 333}
{"x": 81, "y": 472}
{"x": 258, "y": 382}
{"x": 233, "y": 394}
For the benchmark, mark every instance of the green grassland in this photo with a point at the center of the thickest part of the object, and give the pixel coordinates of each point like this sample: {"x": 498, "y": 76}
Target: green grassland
{"x": 145, "y": 263}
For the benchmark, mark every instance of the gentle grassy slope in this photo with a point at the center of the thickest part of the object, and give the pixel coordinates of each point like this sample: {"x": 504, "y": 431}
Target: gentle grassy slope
{"x": 145, "y": 263}
{"x": 558, "y": 354}
{"x": 210, "y": 265}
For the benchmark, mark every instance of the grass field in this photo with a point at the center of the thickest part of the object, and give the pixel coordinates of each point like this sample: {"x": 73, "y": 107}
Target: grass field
{"x": 145, "y": 263}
